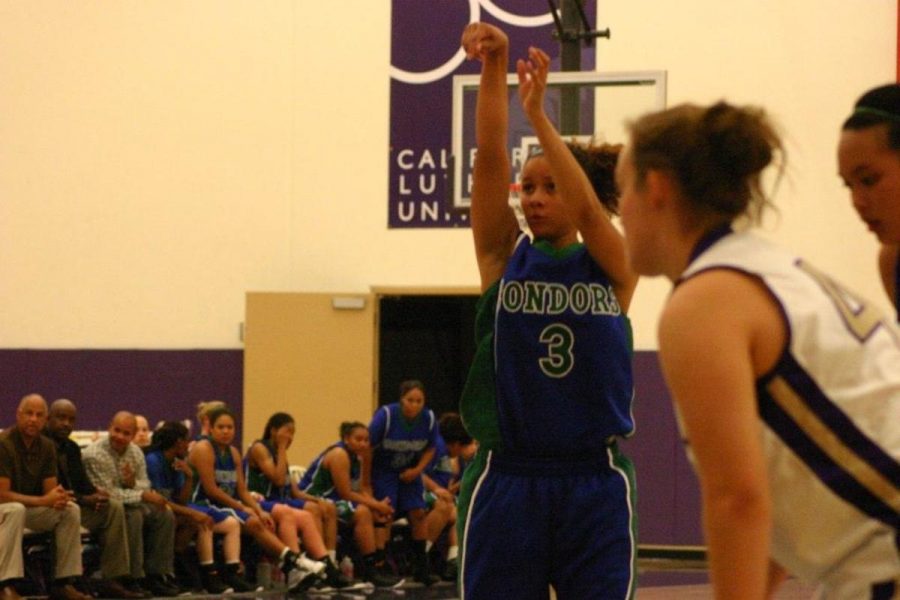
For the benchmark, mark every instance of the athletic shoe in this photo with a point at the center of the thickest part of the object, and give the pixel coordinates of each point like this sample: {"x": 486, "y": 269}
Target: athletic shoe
{"x": 334, "y": 577}
{"x": 158, "y": 586}
{"x": 173, "y": 581}
{"x": 239, "y": 585}
{"x": 451, "y": 570}
{"x": 300, "y": 580}
{"x": 212, "y": 583}
{"x": 321, "y": 588}
{"x": 386, "y": 581}
{"x": 317, "y": 567}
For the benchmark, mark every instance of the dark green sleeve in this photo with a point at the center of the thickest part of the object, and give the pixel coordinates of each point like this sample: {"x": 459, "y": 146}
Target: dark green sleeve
{"x": 478, "y": 404}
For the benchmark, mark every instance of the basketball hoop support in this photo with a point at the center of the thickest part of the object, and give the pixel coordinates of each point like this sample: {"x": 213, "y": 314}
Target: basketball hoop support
{"x": 572, "y": 27}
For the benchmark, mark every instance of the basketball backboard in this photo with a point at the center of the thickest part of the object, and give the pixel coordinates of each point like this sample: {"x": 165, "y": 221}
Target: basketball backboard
{"x": 606, "y": 101}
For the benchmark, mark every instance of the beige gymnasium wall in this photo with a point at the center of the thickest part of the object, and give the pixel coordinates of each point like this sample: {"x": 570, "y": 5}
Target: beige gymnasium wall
{"x": 160, "y": 159}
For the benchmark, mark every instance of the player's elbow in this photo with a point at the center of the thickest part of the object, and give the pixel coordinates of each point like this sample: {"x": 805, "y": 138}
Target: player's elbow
{"x": 744, "y": 504}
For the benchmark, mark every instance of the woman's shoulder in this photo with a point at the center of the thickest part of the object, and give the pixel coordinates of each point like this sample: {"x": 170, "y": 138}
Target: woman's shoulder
{"x": 258, "y": 446}
{"x": 335, "y": 450}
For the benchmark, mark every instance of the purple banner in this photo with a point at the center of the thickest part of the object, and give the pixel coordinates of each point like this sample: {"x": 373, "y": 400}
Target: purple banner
{"x": 425, "y": 55}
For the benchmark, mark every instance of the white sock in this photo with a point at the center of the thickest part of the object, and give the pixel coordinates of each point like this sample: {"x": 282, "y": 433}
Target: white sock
{"x": 284, "y": 553}
{"x": 332, "y": 554}
{"x": 428, "y": 546}
{"x": 452, "y": 552}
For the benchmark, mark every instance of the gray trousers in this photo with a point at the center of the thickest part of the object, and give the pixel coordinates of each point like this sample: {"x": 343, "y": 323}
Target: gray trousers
{"x": 108, "y": 526}
{"x": 65, "y": 525}
{"x": 151, "y": 539}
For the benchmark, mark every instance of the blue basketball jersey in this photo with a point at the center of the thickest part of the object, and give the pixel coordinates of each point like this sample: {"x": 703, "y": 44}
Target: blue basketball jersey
{"x": 257, "y": 481}
{"x": 314, "y": 466}
{"x": 317, "y": 480}
{"x": 440, "y": 469}
{"x": 562, "y": 354}
{"x": 397, "y": 444}
{"x": 164, "y": 479}
{"x": 225, "y": 472}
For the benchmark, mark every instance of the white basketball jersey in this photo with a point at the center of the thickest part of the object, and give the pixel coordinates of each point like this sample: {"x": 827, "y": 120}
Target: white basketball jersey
{"x": 831, "y": 422}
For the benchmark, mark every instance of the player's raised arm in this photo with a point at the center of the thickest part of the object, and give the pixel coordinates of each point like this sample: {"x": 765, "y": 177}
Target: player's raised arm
{"x": 494, "y": 225}
{"x": 604, "y": 242}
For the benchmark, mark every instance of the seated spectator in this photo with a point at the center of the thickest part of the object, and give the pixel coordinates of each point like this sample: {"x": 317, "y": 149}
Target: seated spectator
{"x": 142, "y": 435}
{"x": 28, "y": 478}
{"x": 403, "y": 437}
{"x": 103, "y": 516}
{"x": 12, "y": 528}
{"x": 268, "y": 476}
{"x": 336, "y": 475}
{"x": 171, "y": 476}
{"x": 221, "y": 485}
{"x": 117, "y": 465}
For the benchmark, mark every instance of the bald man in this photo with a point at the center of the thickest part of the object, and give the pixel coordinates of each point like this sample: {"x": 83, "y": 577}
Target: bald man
{"x": 116, "y": 464}
{"x": 28, "y": 484}
{"x": 103, "y": 516}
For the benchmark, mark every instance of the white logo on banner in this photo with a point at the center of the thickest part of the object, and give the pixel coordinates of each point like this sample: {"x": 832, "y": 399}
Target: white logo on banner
{"x": 448, "y": 67}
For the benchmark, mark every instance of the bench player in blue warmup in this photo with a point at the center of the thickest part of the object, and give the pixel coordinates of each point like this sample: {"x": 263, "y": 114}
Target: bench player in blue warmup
{"x": 402, "y": 436}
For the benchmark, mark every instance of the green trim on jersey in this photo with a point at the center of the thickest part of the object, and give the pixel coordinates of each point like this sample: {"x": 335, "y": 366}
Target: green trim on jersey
{"x": 557, "y": 253}
{"x": 623, "y": 464}
{"x": 256, "y": 479}
{"x": 470, "y": 479}
{"x": 322, "y": 483}
{"x": 478, "y": 403}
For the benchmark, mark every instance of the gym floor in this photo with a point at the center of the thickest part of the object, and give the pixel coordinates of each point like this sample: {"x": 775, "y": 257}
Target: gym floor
{"x": 790, "y": 590}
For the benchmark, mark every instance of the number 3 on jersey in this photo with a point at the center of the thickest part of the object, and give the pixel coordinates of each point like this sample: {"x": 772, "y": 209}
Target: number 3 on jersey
{"x": 559, "y": 359}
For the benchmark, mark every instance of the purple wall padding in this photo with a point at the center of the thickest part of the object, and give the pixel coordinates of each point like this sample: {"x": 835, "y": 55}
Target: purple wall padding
{"x": 667, "y": 489}
{"x": 167, "y": 384}
{"x": 160, "y": 384}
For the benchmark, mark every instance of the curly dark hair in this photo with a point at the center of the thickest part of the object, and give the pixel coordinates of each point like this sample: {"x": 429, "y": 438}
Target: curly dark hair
{"x": 348, "y": 427}
{"x": 168, "y": 434}
{"x": 599, "y": 164}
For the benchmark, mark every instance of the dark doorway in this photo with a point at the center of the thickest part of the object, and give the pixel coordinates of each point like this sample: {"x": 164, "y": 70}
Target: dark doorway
{"x": 429, "y": 338}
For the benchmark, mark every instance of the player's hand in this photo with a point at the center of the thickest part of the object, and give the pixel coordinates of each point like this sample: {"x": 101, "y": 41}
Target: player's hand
{"x": 409, "y": 475}
{"x": 444, "y": 495}
{"x": 202, "y": 519}
{"x": 533, "y": 80}
{"x": 179, "y": 464}
{"x": 127, "y": 474}
{"x": 152, "y": 497}
{"x": 482, "y": 41}
{"x": 57, "y": 497}
{"x": 283, "y": 438}
{"x": 383, "y": 508}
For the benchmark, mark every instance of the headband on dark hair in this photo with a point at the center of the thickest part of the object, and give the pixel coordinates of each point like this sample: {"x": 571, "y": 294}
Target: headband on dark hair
{"x": 876, "y": 112}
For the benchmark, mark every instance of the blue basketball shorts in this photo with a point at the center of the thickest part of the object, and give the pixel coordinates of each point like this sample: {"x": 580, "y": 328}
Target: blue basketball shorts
{"x": 532, "y": 523}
